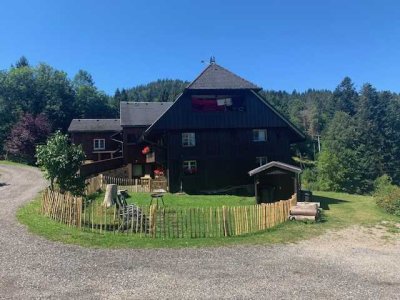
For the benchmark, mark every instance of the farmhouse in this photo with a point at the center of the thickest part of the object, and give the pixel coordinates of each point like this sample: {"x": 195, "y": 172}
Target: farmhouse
{"x": 215, "y": 132}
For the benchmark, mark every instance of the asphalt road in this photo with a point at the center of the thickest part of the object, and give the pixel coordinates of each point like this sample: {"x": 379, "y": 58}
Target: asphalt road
{"x": 352, "y": 264}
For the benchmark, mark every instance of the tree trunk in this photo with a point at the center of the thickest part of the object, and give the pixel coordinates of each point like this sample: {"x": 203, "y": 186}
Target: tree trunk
{"x": 111, "y": 194}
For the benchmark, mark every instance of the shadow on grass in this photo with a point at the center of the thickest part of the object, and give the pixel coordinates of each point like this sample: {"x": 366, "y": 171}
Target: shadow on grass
{"x": 325, "y": 201}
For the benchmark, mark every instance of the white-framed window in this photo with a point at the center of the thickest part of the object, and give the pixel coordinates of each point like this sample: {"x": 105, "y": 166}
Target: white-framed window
{"x": 189, "y": 166}
{"x": 261, "y": 160}
{"x": 259, "y": 135}
{"x": 99, "y": 144}
{"x": 188, "y": 139}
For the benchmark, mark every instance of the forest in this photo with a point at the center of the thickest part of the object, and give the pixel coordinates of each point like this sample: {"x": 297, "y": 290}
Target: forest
{"x": 353, "y": 135}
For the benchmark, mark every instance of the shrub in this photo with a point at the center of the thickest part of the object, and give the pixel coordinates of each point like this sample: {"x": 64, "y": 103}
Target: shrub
{"x": 60, "y": 160}
{"x": 309, "y": 179}
{"x": 387, "y": 195}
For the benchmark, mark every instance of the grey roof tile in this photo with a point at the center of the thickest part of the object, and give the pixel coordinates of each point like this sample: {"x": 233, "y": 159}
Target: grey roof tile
{"x": 276, "y": 164}
{"x": 217, "y": 77}
{"x": 142, "y": 113}
{"x": 94, "y": 125}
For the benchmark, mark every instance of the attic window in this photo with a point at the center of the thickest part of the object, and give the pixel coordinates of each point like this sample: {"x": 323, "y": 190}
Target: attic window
{"x": 218, "y": 103}
{"x": 188, "y": 139}
{"x": 259, "y": 135}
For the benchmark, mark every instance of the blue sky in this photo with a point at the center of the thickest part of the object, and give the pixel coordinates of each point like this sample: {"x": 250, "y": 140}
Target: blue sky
{"x": 279, "y": 45}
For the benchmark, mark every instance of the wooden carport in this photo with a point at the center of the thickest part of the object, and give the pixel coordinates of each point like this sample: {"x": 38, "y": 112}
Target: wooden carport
{"x": 275, "y": 181}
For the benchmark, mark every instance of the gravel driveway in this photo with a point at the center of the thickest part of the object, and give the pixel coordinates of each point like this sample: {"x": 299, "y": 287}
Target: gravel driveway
{"x": 350, "y": 264}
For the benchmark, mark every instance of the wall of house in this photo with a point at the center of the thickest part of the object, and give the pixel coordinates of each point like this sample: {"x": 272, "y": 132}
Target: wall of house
{"x": 224, "y": 157}
{"x": 133, "y": 152}
{"x": 85, "y": 139}
{"x": 132, "y": 149}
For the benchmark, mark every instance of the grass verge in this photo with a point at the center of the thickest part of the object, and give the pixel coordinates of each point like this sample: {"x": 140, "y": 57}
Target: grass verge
{"x": 340, "y": 210}
{"x": 13, "y": 163}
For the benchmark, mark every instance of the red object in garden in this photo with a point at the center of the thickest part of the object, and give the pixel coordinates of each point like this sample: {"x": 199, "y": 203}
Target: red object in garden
{"x": 158, "y": 172}
{"x": 146, "y": 150}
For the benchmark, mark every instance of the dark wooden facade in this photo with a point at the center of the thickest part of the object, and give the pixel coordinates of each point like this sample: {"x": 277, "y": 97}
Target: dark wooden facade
{"x": 133, "y": 155}
{"x": 224, "y": 149}
{"x": 85, "y": 139}
{"x": 257, "y": 113}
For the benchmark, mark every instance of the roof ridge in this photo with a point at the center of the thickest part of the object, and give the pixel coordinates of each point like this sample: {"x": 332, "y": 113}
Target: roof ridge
{"x": 278, "y": 164}
{"x": 114, "y": 119}
{"x": 146, "y": 102}
{"x": 220, "y": 78}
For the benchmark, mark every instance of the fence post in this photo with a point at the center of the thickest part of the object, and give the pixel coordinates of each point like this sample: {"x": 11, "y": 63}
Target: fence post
{"x": 224, "y": 220}
{"x": 153, "y": 219}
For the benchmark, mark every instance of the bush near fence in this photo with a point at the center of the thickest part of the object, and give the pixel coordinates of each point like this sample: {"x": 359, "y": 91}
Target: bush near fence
{"x": 157, "y": 222}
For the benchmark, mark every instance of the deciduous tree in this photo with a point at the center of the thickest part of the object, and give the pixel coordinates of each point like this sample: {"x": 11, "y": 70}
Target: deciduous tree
{"x": 60, "y": 160}
{"x": 25, "y": 135}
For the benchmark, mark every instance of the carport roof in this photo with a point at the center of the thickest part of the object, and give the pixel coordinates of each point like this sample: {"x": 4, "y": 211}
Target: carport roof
{"x": 276, "y": 164}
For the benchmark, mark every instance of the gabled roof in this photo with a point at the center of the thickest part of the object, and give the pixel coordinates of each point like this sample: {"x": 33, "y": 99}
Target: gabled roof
{"x": 94, "y": 125}
{"x": 217, "y": 77}
{"x": 142, "y": 113}
{"x": 276, "y": 164}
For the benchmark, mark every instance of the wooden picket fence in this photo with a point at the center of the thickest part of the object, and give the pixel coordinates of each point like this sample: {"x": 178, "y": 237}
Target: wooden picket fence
{"x": 64, "y": 208}
{"x": 215, "y": 221}
{"x": 144, "y": 185}
{"x": 147, "y": 185}
{"x": 164, "y": 222}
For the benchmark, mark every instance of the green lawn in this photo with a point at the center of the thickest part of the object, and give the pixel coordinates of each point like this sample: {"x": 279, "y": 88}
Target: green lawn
{"x": 340, "y": 210}
{"x": 171, "y": 201}
{"x": 183, "y": 201}
{"x": 12, "y": 163}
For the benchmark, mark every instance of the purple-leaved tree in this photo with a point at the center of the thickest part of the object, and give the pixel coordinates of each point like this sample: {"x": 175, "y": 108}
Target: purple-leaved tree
{"x": 25, "y": 135}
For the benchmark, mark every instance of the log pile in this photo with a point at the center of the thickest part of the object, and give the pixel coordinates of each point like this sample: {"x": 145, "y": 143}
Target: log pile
{"x": 304, "y": 211}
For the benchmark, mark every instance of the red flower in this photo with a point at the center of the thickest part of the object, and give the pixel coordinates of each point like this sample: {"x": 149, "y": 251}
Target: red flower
{"x": 158, "y": 172}
{"x": 146, "y": 150}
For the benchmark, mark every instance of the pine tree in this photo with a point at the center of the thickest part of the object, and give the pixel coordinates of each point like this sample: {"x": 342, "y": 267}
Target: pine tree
{"x": 370, "y": 118}
{"x": 345, "y": 97}
{"x": 22, "y": 62}
{"x": 338, "y": 164}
